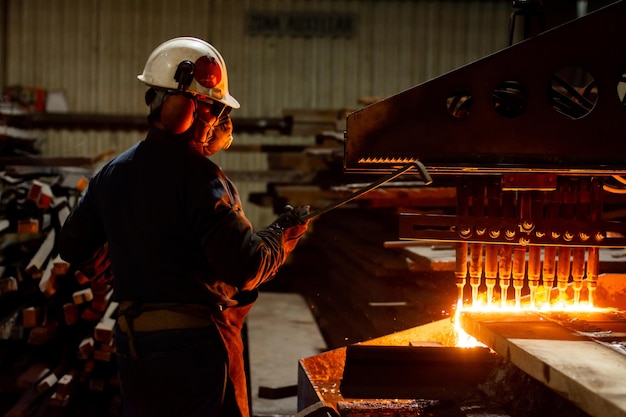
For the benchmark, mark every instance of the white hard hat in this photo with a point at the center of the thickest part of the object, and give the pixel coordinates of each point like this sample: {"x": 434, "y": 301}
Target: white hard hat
{"x": 189, "y": 65}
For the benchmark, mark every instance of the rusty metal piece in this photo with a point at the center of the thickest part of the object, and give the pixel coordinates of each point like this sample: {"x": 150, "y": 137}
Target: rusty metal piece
{"x": 413, "y": 372}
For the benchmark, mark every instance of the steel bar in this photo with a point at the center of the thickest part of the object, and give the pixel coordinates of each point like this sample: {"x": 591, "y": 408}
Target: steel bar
{"x": 416, "y": 164}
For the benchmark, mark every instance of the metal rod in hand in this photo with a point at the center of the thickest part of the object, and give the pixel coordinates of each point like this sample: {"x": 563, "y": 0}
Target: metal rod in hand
{"x": 418, "y": 165}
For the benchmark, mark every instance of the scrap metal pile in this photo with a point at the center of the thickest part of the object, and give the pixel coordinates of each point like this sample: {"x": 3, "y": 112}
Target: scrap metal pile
{"x": 55, "y": 323}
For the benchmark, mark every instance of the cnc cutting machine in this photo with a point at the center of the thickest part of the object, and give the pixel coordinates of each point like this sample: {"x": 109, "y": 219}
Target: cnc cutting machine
{"x": 533, "y": 139}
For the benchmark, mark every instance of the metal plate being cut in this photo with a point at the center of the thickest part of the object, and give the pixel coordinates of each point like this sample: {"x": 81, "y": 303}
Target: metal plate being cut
{"x": 578, "y": 355}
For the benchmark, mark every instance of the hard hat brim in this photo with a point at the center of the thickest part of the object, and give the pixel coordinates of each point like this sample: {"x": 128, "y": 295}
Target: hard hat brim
{"x": 228, "y": 100}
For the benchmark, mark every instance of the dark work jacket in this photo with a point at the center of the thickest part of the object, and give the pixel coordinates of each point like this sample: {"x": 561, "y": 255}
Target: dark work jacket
{"x": 176, "y": 233}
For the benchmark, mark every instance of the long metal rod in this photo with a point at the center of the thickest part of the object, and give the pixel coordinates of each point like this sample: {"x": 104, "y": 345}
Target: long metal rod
{"x": 417, "y": 165}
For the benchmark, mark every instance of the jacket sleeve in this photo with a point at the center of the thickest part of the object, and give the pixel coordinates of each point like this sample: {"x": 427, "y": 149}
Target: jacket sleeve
{"x": 239, "y": 256}
{"x": 82, "y": 241}
{"x": 235, "y": 253}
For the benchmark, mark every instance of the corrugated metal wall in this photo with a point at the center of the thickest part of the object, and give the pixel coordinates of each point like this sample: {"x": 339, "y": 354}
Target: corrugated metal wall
{"x": 93, "y": 50}
{"x": 3, "y": 36}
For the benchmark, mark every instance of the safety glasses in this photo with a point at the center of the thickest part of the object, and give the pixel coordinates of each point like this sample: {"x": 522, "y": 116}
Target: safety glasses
{"x": 220, "y": 110}
{"x": 216, "y": 109}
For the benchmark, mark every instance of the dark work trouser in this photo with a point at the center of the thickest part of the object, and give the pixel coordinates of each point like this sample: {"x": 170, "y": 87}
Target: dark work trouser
{"x": 177, "y": 373}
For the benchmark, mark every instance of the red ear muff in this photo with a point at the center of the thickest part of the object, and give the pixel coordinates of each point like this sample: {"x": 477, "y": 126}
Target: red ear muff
{"x": 177, "y": 113}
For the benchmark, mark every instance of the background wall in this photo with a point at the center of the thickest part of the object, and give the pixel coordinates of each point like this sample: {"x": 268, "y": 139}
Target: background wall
{"x": 92, "y": 50}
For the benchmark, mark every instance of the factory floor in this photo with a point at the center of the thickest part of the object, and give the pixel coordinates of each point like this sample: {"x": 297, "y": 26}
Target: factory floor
{"x": 281, "y": 330}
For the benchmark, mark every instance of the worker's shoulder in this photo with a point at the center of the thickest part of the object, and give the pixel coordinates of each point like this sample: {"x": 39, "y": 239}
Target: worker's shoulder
{"x": 197, "y": 162}
{"x": 123, "y": 158}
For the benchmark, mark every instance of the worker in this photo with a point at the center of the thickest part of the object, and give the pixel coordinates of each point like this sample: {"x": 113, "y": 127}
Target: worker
{"x": 185, "y": 261}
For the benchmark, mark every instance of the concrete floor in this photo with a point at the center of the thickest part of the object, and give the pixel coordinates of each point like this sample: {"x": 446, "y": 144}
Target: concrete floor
{"x": 281, "y": 330}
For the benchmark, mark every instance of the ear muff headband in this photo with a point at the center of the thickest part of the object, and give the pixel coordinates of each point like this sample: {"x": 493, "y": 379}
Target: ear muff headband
{"x": 178, "y": 111}
{"x": 184, "y": 74}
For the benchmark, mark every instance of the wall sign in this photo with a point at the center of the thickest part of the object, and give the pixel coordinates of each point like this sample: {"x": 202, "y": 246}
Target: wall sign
{"x": 301, "y": 24}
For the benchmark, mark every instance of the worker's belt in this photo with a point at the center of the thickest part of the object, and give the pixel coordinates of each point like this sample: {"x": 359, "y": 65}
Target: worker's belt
{"x": 150, "y": 317}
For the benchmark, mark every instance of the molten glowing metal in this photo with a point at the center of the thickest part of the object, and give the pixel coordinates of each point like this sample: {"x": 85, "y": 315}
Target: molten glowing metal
{"x": 480, "y": 305}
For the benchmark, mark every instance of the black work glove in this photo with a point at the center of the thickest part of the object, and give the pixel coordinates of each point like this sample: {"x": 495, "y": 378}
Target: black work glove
{"x": 291, "y": 226}
{"x": 291, "y": 217}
